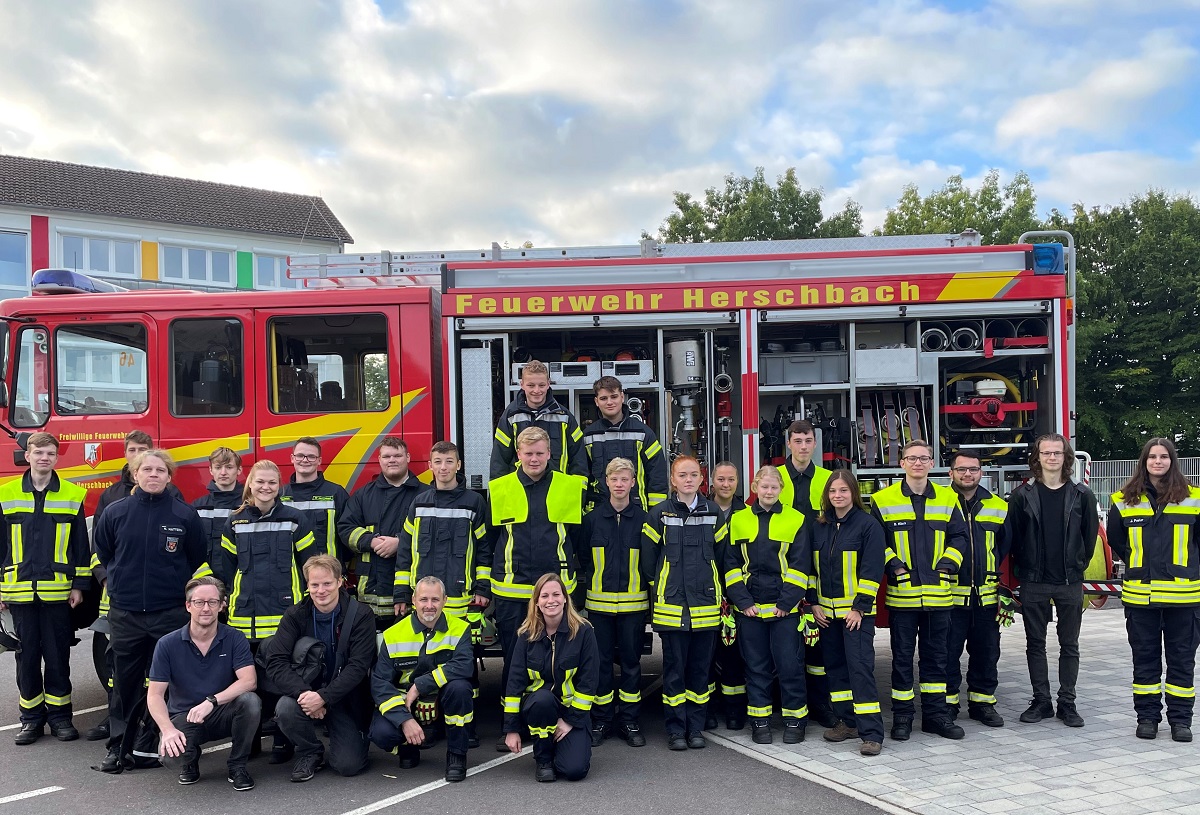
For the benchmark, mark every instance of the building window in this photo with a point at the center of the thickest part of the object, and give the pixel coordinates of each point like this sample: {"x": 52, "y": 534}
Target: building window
{"x": 192, "y": 265}
{"x": 102, "y": 256}
{"x": 270, "y": 272}
{"x": 14, "y": 263}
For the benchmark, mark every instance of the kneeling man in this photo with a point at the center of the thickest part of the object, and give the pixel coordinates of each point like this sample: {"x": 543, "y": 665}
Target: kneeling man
{"x": 424, "y": 673}
{"x": 207, "y": 672}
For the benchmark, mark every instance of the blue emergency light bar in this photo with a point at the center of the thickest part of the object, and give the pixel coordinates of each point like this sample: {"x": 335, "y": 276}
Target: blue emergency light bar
{"x": 65, "y": 281}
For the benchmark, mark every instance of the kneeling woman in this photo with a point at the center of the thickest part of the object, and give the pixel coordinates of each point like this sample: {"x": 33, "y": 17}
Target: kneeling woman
{"x": 264, "y": 544}
{"x": 552, "y": 684}
{"x": 847, "y": 549}
{"x": 767, "y": 565}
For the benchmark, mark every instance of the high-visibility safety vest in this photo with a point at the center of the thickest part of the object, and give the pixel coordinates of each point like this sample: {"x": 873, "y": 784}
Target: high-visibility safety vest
{"x": 922, "y": 586}
{"x": 990, "y": 521}
{"x": 1162, "y": 557}
{"x": 816, "y": 488}
{"x": 515, "y": 567}
{"x": 44, "y": 568}
{"x": 413, "y": 653}
{"x": 779, "y": 567}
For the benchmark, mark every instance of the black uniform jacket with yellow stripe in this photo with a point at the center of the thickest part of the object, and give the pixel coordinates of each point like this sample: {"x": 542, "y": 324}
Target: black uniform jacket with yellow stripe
{"x": 568, "y": 667}
{"x": 567, "y": 453}
{"x": 679, "y": 558}
{"x": 848, "y": 562}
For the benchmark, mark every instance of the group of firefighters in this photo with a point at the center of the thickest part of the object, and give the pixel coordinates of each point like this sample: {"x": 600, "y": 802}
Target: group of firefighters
{"x": 238, "y": 601}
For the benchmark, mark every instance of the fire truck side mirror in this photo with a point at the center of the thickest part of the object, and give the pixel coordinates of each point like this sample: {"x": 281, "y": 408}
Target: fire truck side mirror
{"x": 22, "y": 440}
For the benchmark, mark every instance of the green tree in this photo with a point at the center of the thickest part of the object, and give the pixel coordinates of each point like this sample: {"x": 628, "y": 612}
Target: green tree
{"x": 1138, "y": 333}
{"x": 753, "y": 209}
{"x": 999, "y": 214}
{"x": 375, "y": 381}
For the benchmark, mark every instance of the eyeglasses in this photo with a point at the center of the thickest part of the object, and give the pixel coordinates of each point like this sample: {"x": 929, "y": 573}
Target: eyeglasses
{"x": 205, "y": 603}
{"x": 303, "y": 457}
{"x": 964, "y": 470}
{"x": 916, "y": 459}
{"x": 1051, "y": 454}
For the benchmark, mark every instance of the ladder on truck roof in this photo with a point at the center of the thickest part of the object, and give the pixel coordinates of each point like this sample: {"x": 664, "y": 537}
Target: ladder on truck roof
{"x": 425, "y": 268}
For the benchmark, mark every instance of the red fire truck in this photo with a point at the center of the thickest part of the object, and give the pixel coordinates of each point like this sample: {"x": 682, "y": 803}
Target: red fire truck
{"x": 720, "y": 346}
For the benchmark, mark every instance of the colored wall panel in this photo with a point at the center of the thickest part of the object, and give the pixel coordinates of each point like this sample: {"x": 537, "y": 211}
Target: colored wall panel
{"x": 39, "y": 242}
{"x": 245, "y": 270}
{"x": 149, "y": 260}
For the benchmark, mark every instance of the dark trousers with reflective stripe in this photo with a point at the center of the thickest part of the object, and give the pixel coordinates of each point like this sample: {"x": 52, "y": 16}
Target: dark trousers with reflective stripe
{"x": 1153, "y": 633}
{"x": 727, "y": 678}
{"x": 454, "y": 699}
{"x": 619, "y": 636}
{"x": 1036, "y": 606}
{"x": 687, "y": 656}
{"x": 850, "y": 666}
{"x": 772, "y": 649}
{"x": 45, "y": 632}
{"x": 134, "y": 635}
{"x": 927, "y": 629}
{"x": 509, "y": 614}
{"x": 974, "y": 628}
{"x": 572, "y": 756}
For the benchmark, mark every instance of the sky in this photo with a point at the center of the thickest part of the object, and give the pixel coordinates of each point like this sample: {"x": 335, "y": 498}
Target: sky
{"x": 450, "y": 124}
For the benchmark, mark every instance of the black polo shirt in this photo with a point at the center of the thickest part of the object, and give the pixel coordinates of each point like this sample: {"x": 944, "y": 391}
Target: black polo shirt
{"x": 192, "y": 676}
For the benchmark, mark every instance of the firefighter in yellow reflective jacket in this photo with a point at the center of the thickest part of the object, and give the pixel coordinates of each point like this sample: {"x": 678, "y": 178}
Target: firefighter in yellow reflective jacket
{"x": 424, "y": 674}
{"x": 679, "y": 557}
{"x": 766, "y": 567}
{"x": 536, "y": 513}
{"x": 847, "y": 549}
{"x": 1152, "y": 527}
{"x": 980, "y": 602}
{"x": 46, "y": 568}
{"x": 552, "y": 685}
{"x": 925, "y": 535}
{"x": 264, "y": 545}
{"x": 804, "y": 481}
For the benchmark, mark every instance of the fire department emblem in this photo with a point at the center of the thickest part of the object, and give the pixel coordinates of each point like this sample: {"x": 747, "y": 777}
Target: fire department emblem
{"x": 91, "y": 454}
{"x": 172, "y": 544}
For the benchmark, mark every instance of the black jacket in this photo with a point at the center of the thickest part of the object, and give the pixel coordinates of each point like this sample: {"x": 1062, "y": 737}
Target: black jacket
{"x": 378, "y": 508}
{"x": 567, "y": 453}
{"x": 429, "y": 658}
{"x": 150, "y": 546}
{"x": 856, "y": 541}
{"x": 614, "y": 540}
{"x": 679, "y": 559}
{"x": 568, "y": 668}
{"x": 445, "y": 535}
{"x": 766, "y": 560}
{"x": 322, "y": 502}
{"x": 214, "y": 508}
{"x": 1081, "y": 525}
{"x": 350, "y": 685}
{"x": 631, "y": 439}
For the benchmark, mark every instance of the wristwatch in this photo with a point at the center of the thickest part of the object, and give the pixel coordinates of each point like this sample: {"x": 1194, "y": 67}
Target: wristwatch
{"x": 214, "y": 701}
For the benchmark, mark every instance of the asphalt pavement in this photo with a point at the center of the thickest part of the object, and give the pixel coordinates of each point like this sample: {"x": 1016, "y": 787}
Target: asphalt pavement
{"x": 51, "y": 777}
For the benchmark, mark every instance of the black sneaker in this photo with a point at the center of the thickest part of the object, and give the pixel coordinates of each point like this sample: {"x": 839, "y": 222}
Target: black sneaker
{"x": 1038, "y": 709}
{"x": 986, "y": 714}
{"x": 1181, "y": 732}
{"x": 306, "y": 767}
{"x": 189, "y": 773}
{"x": 112, "y": 763}
{"x": 901, "y": 728}
{"x": 599, "y": 734}
{"x": 1147, "y": 729}
{"x": 64, "y": 730}
{"x": 632, "y": 734}
{"x": 240, "y": 778}
{"x": 793, "y": 731}
{"x": 545, "y": 773}
{"x": 29, "y": 733}
{"x": 456, "y": 767}
{"x": 760, "y": 731}
{"x": 1069, "y": 715}
{"x": 97, "y": 733}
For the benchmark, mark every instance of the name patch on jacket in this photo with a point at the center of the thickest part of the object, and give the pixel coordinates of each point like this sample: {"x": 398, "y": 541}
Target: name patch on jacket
{"x": 172, "y": 535}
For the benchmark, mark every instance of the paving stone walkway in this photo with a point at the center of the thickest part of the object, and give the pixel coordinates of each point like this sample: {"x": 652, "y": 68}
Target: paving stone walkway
{"x": 1031, "y": 769}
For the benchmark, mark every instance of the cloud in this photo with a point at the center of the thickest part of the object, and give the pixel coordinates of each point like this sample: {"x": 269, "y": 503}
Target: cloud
{"x": 1107, "y": 99}
{"x": 1113, "y": 176}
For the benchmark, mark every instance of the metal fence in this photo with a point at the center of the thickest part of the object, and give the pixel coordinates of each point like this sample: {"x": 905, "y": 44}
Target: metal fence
{"x": 1108, "y": 476}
